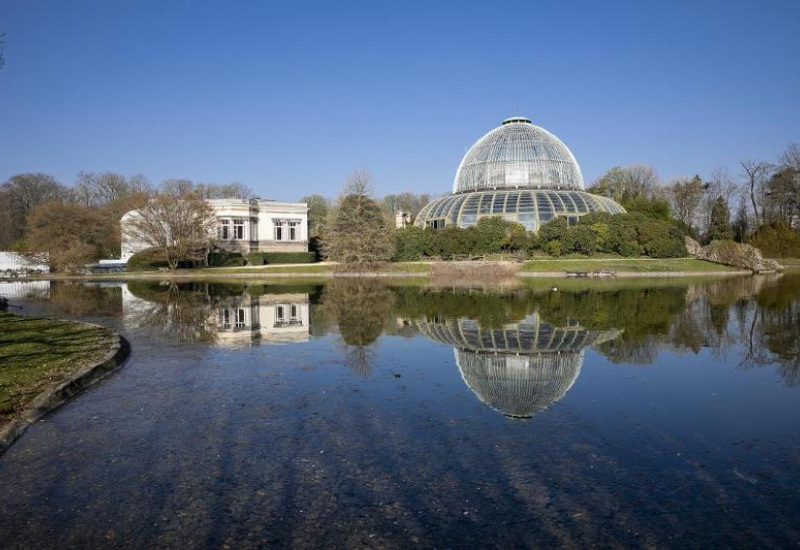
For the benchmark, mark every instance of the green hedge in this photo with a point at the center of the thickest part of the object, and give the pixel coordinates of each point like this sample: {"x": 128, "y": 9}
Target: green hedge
{"x": 264, "y": 258}
{"x": 146, "y": 260}
{"x": 633, "y": 234}
{"x": 223, "y": 258}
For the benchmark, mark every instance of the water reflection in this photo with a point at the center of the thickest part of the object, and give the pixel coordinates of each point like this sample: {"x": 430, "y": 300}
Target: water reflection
{"x": 520, "y": 369}
{"x": 223, "y": 315}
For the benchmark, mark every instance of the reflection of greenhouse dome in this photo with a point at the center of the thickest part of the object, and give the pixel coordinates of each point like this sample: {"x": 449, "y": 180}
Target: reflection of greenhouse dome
{"x": 518, "y": 171}
{"x": 519, "y": 385}
{"x": 520, "y": 369}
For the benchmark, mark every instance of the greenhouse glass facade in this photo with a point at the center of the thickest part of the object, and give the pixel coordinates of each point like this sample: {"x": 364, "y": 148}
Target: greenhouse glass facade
{"x": 518, "y": 171}
{"x": 530, "y": 207}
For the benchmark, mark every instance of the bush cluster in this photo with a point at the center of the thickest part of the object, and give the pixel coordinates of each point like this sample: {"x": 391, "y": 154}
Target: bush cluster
{"x": 223, "y": 258}
{"x": 264, "y": 258}
{"x": 490, "y": 235}
{"x": 150, "y": 259}
{"x": 776, "y": 240}
{"x": 632, "y": 234}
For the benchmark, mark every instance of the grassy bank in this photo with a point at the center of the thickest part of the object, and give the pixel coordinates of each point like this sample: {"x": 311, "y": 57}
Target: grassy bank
{"x": 637, "y": 265}
{"x": 36, "y": 354}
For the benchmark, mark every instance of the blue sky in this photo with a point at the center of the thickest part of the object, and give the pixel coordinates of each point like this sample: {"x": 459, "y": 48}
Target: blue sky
{"x": 291, "y": 97}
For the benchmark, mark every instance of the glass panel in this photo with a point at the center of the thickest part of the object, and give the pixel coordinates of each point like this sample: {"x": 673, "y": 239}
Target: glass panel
{"x": 486, "y": 204}
{"x": 499, "y": 203}
{"x": 568, "y": 202}
{"x": 511, "y": 202}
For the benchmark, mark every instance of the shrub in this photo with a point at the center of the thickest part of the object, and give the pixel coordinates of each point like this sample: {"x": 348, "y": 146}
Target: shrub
{"x": 579, "y": 239}
{"x": 223, "y": 258}
{"x": 776, "y": 240}
{"x": 147, "y": 260}
{"x": 410, "y": 244}
{"x": 553, "y": 248}
{"x": 652, "y": 208}
{"x": 554, "y": 230}
{"x": 263, "y": 258}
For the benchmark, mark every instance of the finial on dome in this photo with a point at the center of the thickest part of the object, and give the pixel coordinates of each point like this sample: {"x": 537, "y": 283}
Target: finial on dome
{"x": 518, "y": 120}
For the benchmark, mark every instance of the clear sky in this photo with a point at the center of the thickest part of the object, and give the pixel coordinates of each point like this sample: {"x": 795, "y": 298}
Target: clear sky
{"x": 290, "y": 97}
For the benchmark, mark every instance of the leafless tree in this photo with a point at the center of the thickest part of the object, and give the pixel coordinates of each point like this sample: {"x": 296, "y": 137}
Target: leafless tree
{"x": 180, "y": 226}
{"x": 755, "y": 175}
{"x": 358, "y": 183}
{"x": 685, "y": 197}
{"x": 721, "y": 184}
{"x": 790, "y": 158}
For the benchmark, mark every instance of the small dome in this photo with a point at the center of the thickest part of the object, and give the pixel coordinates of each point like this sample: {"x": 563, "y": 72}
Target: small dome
{"x": 518, "y": 154}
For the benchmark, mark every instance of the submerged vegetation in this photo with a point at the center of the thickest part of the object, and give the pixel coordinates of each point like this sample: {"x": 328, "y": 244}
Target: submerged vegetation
{"x": 36, "y": 354}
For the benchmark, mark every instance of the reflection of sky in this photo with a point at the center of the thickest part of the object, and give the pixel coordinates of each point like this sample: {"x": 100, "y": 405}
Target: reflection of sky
{"x": 283, "y": 446}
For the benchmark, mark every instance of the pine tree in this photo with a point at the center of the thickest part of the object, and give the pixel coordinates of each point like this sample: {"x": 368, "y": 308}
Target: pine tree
{"x": 719, "y": 227}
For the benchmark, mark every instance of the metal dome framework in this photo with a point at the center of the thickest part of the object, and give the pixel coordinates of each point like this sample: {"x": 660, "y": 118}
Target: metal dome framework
{"x": 531, "y": 208}
{"x": 515, "y": 155}
{"x": 520, "y": 369}
{"x": 518, "y": 171}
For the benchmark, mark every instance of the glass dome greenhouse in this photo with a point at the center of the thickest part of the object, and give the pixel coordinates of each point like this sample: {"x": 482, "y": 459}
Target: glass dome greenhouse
{"x": 518, "y": 171}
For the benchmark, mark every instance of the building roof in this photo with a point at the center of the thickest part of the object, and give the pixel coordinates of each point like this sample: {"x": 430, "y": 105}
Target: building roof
{"x": 518, "y": 154}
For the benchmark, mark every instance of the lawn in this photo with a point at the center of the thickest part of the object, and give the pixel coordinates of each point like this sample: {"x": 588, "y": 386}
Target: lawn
{"x": 644, "y": 265}
{"x": 36, "y": 354}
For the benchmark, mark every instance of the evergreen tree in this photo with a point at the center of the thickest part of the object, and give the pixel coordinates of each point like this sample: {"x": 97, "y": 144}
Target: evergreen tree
{"x": 719, "y": 227}
{"x": 358, "y": 233}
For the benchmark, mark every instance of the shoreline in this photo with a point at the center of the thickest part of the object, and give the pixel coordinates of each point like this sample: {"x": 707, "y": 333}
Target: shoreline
{"x": 65, "y": 390}
{"x": 587, "y": 268}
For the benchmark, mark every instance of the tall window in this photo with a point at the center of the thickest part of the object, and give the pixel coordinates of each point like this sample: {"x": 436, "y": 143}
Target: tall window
{"x": 294, "y": 230}
{"x": 238, "y": 229}
{"x": 241, "y": 318}
{"x": 225, "y": 318}
{"x": 225, "y": 230}
{"x": 286, "y": 230}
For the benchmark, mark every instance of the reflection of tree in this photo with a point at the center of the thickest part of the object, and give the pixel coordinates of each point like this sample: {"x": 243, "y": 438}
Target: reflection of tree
{"x": 360, "y": 308}
{"x": 80, "y": 299}
{"x": 180, "y": 311}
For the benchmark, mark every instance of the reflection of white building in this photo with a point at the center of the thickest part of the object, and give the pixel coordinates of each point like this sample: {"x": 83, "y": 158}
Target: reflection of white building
{"x": 235, "y": 321}
{"x": 32, "y": 289}
{"x": 248, "y": 225}
{"x": 271, "y": 318}
{"x": 12, "y": 263}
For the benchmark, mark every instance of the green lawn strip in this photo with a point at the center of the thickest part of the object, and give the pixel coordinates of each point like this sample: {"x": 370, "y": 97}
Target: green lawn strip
{"x": 789, "y": 262}
{"x": 36, "y": 354}
{"x": 643, "y": 265}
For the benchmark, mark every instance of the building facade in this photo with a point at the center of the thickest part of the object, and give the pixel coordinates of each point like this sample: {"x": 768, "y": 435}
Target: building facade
{"x": 247, "y": 225}
{"x": 520, "y": 172}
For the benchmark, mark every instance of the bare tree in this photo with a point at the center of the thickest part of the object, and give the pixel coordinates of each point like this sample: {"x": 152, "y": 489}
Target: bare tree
{"x": 622, "y": 183}
{"x": 234, "y": 190}
{"x": 755, "y": 175}
{"x": 721, "y": 184}
{"x": 180, "y": 226}
{"x": 685, "y": 196}
{"x": 358, "y": 183}
{"x": 790, "y": 158}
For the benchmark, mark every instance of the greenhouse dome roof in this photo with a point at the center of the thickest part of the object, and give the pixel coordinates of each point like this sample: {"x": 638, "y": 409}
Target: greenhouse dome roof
{"x": 518, "y": 154}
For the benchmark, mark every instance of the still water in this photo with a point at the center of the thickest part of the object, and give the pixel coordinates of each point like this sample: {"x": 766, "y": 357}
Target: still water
{"x": 636, "y": 413}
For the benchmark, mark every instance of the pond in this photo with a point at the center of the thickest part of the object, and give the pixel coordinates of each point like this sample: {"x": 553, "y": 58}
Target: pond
{"x": 616, "y": 413}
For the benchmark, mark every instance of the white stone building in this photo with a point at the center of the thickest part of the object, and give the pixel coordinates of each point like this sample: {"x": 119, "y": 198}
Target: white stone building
{"x": 248, "y": 225}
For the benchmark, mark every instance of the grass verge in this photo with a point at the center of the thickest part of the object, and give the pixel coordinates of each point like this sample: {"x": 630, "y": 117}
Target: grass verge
{"x": 644, "y": 265}
{"x": 36, "y": 354}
